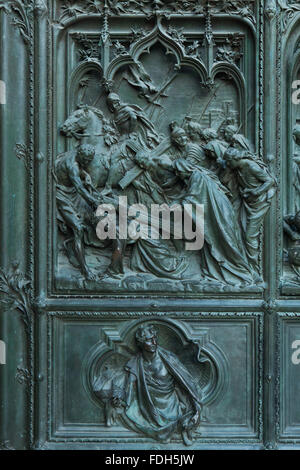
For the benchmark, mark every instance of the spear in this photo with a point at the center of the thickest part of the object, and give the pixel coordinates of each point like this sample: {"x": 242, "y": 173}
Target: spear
{"x": 163, "y": 88}
{"x": 214, "y": 94}
{"x": 190, "y": 110}
{"x": 200, "y": 116}
{"x": 241, "y": 125}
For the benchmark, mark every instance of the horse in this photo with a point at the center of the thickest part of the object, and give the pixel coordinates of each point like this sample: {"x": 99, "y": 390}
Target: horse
{"x": 88, "y": 126}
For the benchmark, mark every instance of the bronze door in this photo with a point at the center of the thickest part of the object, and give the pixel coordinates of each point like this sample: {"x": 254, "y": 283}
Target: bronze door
{"x": 117, "y": 117}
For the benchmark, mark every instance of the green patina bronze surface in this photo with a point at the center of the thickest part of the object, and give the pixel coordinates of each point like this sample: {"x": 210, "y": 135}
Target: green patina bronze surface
{"x": 138, "y": 343}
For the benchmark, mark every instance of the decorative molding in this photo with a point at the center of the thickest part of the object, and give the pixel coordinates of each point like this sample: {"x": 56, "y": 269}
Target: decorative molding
{"x": 40, "y": 305}
{"x": 279, "y": 237}
{"x": 281, "y": 317}
{"x": 270, "y": 306}
{"x": 124, "y": 315}
{"x": 40, "y": 157}
{"x": 277, "y": 378}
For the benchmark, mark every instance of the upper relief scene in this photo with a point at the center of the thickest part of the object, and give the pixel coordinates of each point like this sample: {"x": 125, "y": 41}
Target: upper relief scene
{"x": 159, "y": 182}
{"x": 290, "y": 280}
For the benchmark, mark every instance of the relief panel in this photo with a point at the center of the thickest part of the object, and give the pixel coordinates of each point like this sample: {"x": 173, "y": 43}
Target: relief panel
{"x": 126, "y": 372}
{"x": 290, "y": 159}
{"x": 289, "y": 376}
{"x": 159, "y": 108}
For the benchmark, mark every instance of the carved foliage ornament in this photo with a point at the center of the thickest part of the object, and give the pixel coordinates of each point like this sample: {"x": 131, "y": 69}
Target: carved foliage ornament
{"x": 23, "y": 153}
{"x": 14, "y": 290}
{"x": 6, "y": 445}
{"x": 22, "y": 375}
{"x": 288, "y": 11}
{"x": 74, "y": 8}
{"x": 22, "y": 12}
{"x": 231, "y": 50}
{"x": 118, "y": 7}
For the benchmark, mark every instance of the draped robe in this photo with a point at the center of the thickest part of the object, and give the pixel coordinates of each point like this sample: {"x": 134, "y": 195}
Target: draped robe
{"x": 223, "y": 257}
{"x": 160, "y": 403}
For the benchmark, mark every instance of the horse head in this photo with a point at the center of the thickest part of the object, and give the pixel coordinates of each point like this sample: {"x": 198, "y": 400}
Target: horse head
{"x": 77, "y": 123}
{"x": 88, "y": 125}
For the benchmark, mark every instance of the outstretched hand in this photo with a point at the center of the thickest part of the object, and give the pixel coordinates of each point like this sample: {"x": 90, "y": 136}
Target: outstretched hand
{"x": 195, "y": 419}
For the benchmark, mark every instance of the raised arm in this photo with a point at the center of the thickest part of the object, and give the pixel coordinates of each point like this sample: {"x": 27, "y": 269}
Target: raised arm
{"x": 74, "y": 175}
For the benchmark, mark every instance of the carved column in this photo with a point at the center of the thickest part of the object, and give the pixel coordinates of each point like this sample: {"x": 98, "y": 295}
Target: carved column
{"x": 270, "y": 150}
{"x": 15, "y": 154}
{"x": 41, "y": 154}
{"x": 3, "y": 328}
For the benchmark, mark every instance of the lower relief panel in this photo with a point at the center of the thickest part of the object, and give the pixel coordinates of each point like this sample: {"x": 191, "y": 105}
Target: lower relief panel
{"x": 289, "y": 378}
{"x": 181, "y": 379}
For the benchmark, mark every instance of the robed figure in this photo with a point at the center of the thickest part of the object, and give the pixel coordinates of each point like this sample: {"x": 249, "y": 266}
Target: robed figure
{"x": 157, "y": 394}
